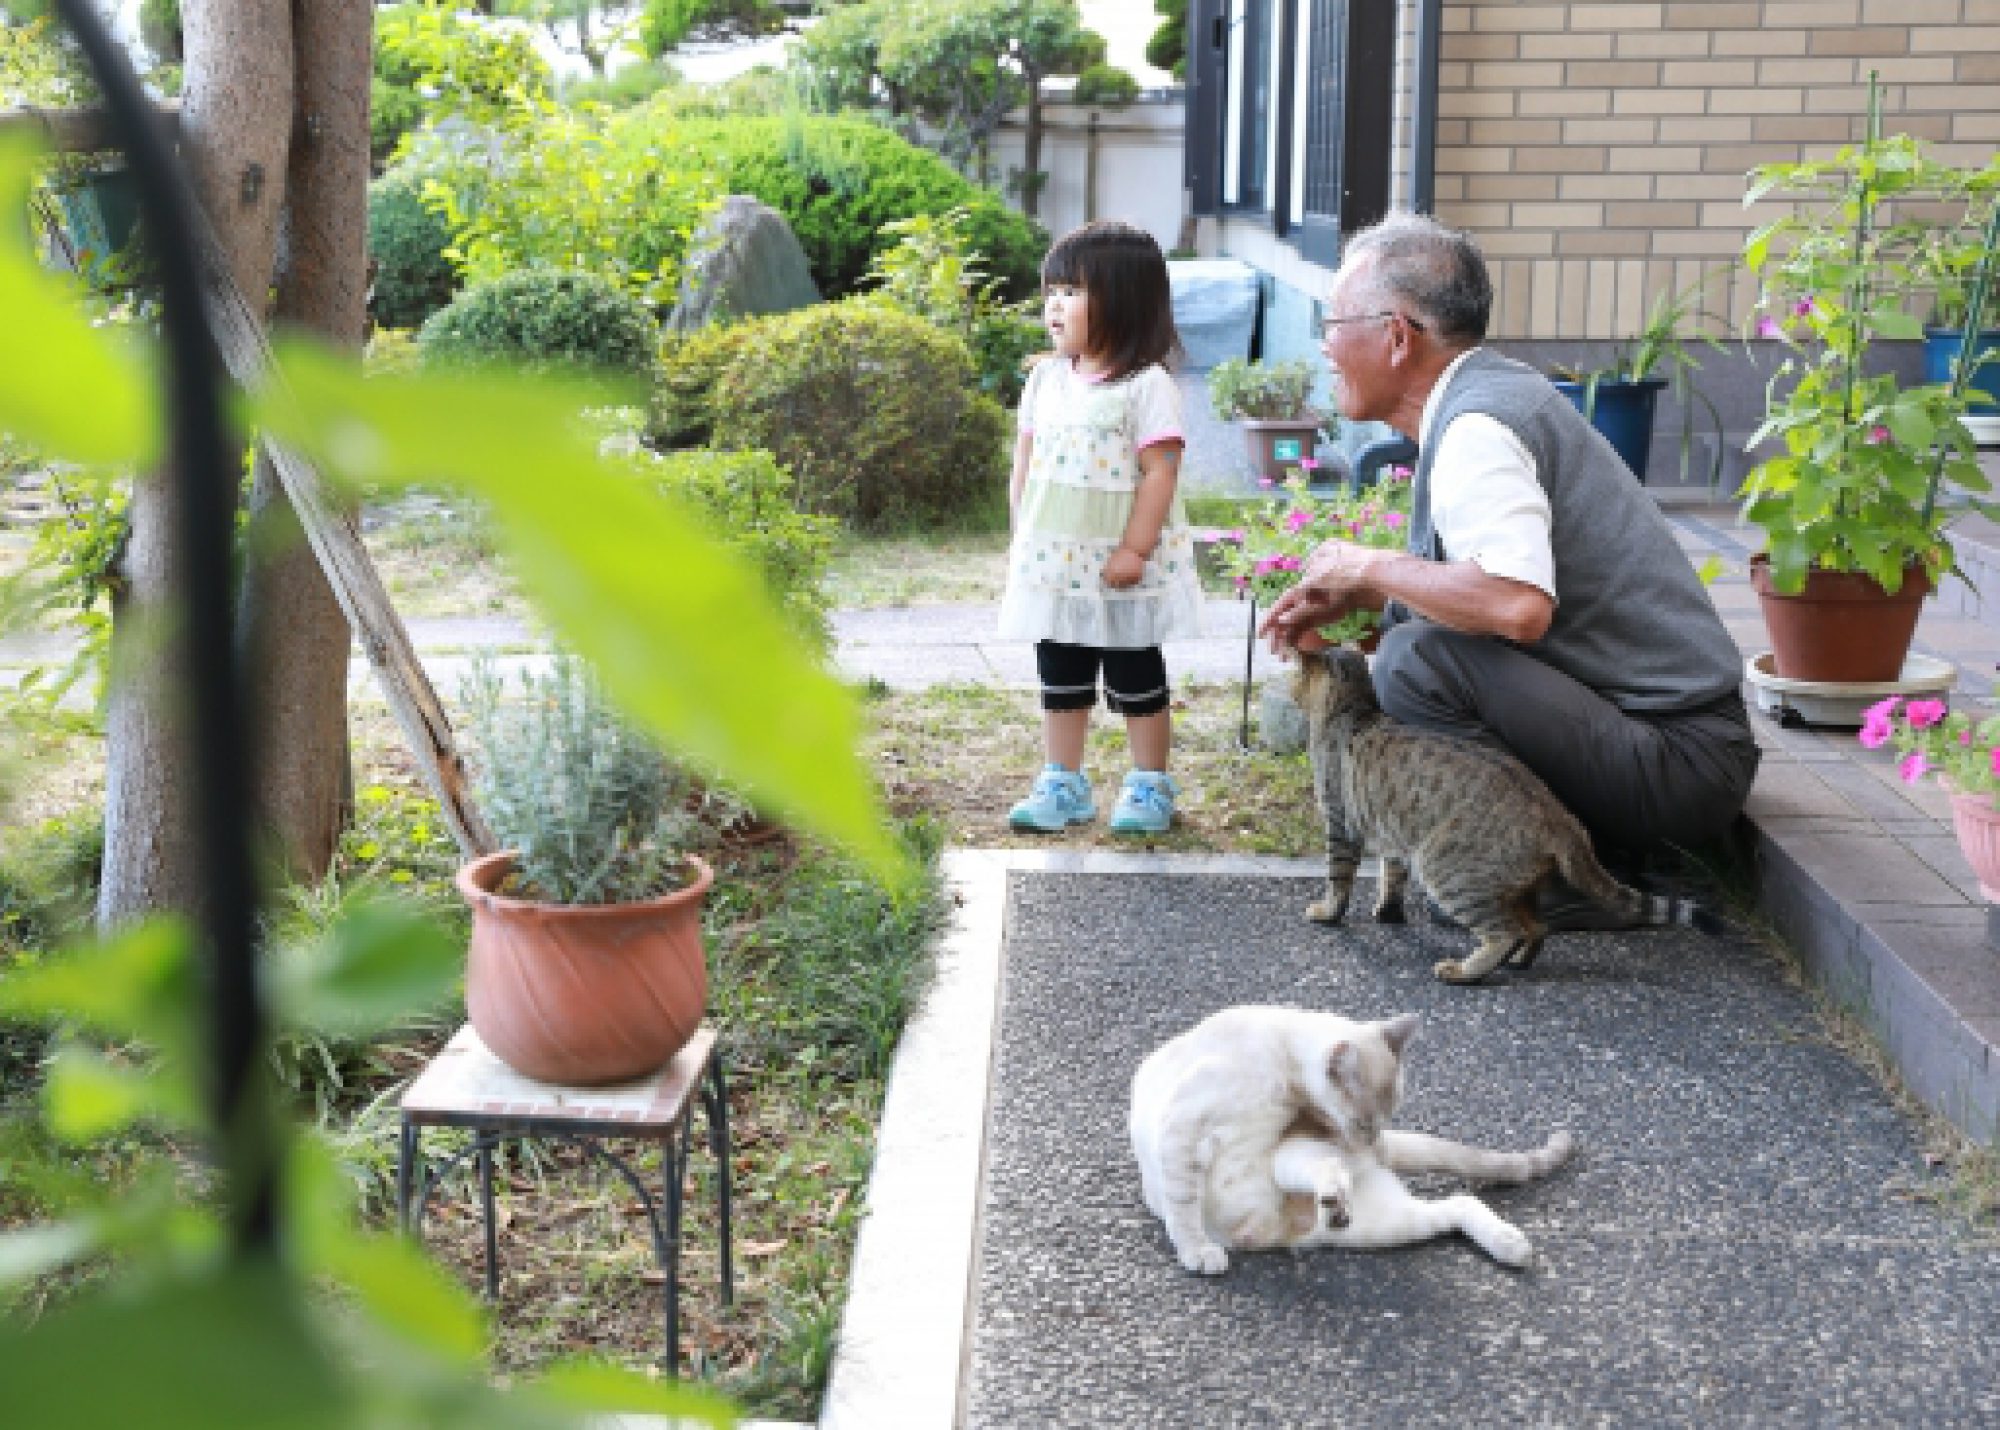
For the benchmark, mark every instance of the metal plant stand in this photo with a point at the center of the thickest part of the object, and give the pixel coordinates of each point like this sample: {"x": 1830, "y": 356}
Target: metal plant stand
{"x": 467, "y": 1086}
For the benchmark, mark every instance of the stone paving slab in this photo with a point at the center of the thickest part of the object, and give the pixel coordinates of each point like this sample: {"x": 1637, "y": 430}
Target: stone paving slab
{"x": 1737, "y": 1241}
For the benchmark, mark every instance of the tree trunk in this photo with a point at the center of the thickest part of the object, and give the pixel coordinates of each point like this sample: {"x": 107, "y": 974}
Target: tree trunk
{"x": 296, "y": 640}
{"x": 1031, "y": 150}
{"x": 234, "y": 121}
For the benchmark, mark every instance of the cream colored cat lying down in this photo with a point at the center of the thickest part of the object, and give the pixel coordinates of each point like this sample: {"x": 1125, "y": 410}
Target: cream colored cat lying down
{"x": 1263, "y": 1127}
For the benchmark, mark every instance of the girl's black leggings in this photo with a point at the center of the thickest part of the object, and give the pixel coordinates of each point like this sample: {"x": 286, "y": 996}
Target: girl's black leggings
{"x": 1135, "y": 681}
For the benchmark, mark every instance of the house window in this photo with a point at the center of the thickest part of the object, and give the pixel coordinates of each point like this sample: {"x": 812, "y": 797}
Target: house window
{"x": 1288, "y": 114}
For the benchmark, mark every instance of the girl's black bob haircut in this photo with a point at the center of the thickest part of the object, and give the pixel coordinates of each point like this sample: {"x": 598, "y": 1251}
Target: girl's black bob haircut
{"x": 1124, "y": 273}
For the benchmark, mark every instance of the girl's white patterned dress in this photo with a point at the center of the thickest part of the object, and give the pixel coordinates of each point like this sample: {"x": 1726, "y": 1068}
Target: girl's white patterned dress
{"x": 1082, "y": 476}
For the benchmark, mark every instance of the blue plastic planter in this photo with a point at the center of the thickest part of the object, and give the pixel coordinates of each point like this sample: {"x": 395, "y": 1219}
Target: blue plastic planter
{"x": 1624, "y": 414}
{"x": 1942, "y": 347}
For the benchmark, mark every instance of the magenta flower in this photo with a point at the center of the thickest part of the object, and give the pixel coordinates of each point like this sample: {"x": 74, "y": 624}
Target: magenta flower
{"x": 1993, "y": 761}
{"x": 1874, "y": 734}
{"x": 1802, "y": 308}
{"x": 1266, "y": 483}
{"x": 1308, "y": 464}
{"x": 1883, "y": 709}
{"x": 1401, "y": 474}
{"x": 1912, "y": 766}
{"x": 1265, "y": 566}
{"x": 1925, "y": 713}
{"x": 1392, "y": 519}
{"x": 1297, "y": 520}
{"x": 1233, "y": 534}
{"x": 1965, "y": 738}
{"x": 1767, "y": 327}
{"x": 1289, "y": 563}
{"x": 1878, "y": 434}
{"x": 1354, "y": 528}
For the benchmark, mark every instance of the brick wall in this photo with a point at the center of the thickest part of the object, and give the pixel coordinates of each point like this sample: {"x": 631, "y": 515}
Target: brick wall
{"x": 1598, "y": 151}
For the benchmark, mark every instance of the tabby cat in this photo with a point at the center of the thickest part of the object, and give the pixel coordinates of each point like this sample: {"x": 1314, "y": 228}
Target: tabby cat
{"x": 1265, "y": 1127}
{"x": 1477, "y": 827}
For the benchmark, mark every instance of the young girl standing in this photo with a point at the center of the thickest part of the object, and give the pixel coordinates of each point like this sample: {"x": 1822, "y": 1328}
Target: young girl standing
{"x": 1102, "y": 565}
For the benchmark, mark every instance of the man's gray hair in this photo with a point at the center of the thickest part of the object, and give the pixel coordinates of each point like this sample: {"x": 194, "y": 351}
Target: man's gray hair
{"x": 1435, "y": 271}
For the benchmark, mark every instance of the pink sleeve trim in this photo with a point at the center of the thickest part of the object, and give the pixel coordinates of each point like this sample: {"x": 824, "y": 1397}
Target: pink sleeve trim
{"x": 1165, "y": 434}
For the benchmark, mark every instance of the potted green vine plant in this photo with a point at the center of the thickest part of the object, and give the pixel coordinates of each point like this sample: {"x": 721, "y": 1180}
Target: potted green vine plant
{"x": 1963, "y": 750}
{"x": 586, "y": 962}
{"x": 1269, "y": 401}
{"x": 1619, "y": 395}
{"x": 1855, "y": 505}
{"x": 1266, "y": 556}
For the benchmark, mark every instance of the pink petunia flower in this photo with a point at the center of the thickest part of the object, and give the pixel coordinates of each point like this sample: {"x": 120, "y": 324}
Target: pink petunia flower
{"x": 1308, "y": 464}
{"x": 1925, "y": 713}
{"x": 1235, "y": 533}
{"x": 1298, "y": 520}
{"x": 1802, "y": 308}
{"x": 1874, "y": 734}
{"x": 1392, "y": 519}
{"x": 1883, "y": 709}
{"x": 1965, "y": 738}
{"x": 1767, "y": 327}
{"x": 1993, "y": 761}
{"x": 1912, "y": 766}
{"x": 1878, "y": 434}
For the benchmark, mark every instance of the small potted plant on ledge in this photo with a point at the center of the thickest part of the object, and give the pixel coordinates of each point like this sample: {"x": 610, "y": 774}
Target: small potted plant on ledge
{"x": 586, "y": 962}
{"x": 1619, "y": 395}
{"x": 1856, "y": 504}
{"x": 1268, "y": 400}
{"x": 1963, "y": 750}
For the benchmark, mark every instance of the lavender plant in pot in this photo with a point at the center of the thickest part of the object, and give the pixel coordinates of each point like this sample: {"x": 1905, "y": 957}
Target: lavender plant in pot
{"x": 586, "y": 963}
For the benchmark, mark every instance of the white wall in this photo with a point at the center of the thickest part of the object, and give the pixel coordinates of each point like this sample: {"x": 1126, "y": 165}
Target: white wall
{"x": 1138, "y": 167}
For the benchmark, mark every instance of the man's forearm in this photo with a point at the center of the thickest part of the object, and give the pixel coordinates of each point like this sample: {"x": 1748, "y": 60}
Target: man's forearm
{"x": 1460, "y": 595}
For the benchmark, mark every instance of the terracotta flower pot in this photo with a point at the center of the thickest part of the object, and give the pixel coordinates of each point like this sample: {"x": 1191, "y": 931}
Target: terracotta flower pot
{"x": 583, "y": 993}
{"x": 1842, "y": 626}
{"x": 1977, "y": 824}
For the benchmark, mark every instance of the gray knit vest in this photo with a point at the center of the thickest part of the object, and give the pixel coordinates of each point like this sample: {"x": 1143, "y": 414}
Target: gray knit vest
{"x": 1632, "y": 619}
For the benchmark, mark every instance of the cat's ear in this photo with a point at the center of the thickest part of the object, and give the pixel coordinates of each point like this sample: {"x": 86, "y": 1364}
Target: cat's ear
{"x": 1397, "y": 1030}
{"x": 1339, "y": 1059}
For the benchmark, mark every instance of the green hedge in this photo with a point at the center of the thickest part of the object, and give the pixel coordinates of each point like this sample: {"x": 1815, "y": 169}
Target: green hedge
{"x": 876, "y": 411}
{"x": 839, "y": 180}
{"x": 540, "y": 318}
{"x": 406, "y": 240}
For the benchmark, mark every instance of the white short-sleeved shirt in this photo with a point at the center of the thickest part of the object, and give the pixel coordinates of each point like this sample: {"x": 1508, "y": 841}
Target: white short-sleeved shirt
{"x": 1083, "y": 473}
{"x": 1487, "y": 504}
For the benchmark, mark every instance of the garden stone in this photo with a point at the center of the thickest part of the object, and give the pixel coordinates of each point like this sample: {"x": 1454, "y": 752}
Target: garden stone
{"x": 743, "y": 262}
{"x": 1281, "y": 724}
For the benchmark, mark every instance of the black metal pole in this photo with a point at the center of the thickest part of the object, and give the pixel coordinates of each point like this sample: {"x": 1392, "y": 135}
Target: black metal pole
{"x": 204, "y": 478}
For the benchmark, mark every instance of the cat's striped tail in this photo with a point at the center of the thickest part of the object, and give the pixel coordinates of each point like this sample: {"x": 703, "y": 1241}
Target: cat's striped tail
{"x": 1636, "y": 907}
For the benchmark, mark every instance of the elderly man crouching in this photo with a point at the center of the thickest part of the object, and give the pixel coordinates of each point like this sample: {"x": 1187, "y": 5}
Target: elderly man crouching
{"x": 1543, "y": 604}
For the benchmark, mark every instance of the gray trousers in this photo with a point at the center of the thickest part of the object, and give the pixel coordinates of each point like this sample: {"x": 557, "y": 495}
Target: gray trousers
{"x": 1634, "y": 780}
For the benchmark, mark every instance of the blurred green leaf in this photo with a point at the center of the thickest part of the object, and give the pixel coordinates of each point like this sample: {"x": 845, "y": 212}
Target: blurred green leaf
{"x": 605, "y": 1389}
{"x": 379, "y": 962}
{"x": 410, "y": 1296}
{"x": 86, "y": 1096}
{"x": 682, "y": 631}
{"x": 228, "y": 1348}
{"x": 76, "y": 391}
{"x": 136, "y": 984}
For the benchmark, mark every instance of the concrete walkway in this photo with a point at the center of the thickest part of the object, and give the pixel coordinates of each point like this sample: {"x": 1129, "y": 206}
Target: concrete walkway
{"x": 1742, "y": 1239}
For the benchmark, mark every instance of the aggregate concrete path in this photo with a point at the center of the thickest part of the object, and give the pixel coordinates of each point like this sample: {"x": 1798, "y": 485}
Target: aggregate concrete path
{"x": 1737, "y": 1241}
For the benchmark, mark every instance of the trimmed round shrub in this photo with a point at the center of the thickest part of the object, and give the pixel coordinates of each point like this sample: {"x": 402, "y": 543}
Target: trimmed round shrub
{"x": 839, "y": 181}
{"x": 1105, "y": 84}
{"x": 544, "y": 318}
{"x": 413, "y": 278}
{"x": 875, "y": 411}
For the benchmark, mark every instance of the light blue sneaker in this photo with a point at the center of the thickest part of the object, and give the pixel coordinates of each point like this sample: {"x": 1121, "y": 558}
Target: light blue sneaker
{"x": 1061, "y": 797}
{"x": 1145, "y": 805}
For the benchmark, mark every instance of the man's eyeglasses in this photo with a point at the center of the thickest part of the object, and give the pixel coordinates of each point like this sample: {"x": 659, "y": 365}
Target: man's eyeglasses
{"x": 1328, "y": 325}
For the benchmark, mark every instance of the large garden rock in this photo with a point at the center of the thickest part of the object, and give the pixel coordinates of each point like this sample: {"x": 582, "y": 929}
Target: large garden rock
{"x": 744, "y": 261}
